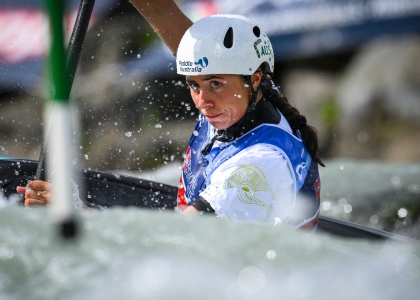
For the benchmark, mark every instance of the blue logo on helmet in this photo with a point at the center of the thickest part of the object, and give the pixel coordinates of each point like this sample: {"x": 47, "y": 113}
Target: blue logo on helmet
{"x": 204, "y": 62}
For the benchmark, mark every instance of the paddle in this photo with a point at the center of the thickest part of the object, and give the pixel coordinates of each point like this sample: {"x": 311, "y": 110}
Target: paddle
{"x": 72, "y": 60}
{"x": 57, "y": 114}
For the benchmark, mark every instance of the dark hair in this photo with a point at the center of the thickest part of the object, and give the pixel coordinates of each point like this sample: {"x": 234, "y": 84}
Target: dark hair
{"x": 293, "y": 116}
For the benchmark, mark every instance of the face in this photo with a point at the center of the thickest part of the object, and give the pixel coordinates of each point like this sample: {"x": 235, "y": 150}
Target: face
{"x": 222, "y": 99}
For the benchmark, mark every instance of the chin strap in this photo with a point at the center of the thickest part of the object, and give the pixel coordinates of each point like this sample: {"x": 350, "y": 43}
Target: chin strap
{"x": 253, "y": 97}
{"x": 221, "y": 136}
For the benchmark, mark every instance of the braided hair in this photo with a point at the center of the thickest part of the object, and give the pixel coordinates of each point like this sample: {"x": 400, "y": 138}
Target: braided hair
{"x": 296, "y": 120}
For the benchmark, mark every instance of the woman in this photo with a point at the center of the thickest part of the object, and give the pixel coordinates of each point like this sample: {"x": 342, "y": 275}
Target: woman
{"x": 251, "y": 157}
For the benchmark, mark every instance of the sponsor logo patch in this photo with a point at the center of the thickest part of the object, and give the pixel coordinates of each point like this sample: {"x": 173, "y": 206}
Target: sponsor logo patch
{"x": 197, "y": 66}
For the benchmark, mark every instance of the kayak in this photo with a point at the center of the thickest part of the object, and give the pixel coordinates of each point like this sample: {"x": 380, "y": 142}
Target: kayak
{"x": 102, "y": 190}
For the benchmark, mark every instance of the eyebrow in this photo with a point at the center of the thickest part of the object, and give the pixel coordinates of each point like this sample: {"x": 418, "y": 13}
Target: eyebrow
{"x": 205, "y": 79}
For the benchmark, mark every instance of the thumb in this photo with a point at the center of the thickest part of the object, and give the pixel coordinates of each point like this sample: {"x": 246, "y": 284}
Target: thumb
{"x": 21, "y": 189}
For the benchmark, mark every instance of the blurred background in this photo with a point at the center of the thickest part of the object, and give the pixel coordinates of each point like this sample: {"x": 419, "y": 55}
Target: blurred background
{"x": 352, "y": 67}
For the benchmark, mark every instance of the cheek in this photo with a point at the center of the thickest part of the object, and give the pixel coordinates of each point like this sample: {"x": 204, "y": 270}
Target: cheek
{"x": 237, "y": 107}
{"x": 195, "y": 99}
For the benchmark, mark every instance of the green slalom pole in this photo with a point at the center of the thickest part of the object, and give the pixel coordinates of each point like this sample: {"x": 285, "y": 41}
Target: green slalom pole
{"x": 58, "y": 117}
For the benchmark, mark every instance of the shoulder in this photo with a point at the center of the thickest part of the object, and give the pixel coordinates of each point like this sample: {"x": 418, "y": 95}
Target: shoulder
{"x": 260, "y": 153}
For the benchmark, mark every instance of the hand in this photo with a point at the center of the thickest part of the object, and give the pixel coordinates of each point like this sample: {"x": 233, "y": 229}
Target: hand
{"x": 36, "y": 192}
{"x": 190, "y": 210}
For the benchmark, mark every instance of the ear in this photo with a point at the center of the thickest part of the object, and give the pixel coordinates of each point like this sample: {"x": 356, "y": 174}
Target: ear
{"x": 256, "y": 78}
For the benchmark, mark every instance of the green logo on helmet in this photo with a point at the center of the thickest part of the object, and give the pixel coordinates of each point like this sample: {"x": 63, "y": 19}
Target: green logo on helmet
{"x": 256, "y": 48}
{"x": 265, "y": 49}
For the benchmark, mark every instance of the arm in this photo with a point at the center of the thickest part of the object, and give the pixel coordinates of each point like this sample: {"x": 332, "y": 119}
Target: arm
{"x": 253, "y": 186}
{"x": 166, "y": 19}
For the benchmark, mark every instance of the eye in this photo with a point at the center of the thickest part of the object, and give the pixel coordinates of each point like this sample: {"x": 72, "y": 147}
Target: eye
{"x": 215, "y": 84}
{"x": 194, "y": 86}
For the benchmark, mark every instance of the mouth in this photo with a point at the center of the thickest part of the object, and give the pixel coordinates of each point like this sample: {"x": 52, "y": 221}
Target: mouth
{"x": 212, "y": 117}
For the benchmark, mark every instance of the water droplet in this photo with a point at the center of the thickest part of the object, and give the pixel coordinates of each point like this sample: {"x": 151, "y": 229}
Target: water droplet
{"x": 271, "y": 254}
{"x": 402, "y": 212}
{"x": 128, "y": 134}
{"x": 138, "y": 55}
{"x": 347, "y": 208}
{"x": 326, "y": 205}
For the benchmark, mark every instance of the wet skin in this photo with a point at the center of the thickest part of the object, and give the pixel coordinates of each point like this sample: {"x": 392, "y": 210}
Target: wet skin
{"x": 222, "y": 99}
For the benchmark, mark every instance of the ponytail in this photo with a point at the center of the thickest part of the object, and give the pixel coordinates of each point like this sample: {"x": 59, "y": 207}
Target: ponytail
{"x": 296, "y": 120}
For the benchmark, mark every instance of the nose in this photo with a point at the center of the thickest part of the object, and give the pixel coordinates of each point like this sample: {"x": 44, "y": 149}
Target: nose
{"x": 204, "y": 100}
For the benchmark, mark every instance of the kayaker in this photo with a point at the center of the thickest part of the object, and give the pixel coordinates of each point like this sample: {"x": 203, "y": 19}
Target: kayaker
{"x": 252, "y": 157}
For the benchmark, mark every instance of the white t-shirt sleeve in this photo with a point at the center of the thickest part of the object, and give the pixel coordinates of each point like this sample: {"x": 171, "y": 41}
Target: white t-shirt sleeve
{"x": 256, "y": 185}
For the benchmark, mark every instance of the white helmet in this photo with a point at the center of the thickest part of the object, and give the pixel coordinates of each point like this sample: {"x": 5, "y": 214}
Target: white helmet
{"x": 224, "y": 44}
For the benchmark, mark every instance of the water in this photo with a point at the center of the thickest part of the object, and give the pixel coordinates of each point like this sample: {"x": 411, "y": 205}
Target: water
{"x": 376, "y": 192}
{"x": 138, "y": 254}
{"x": 141, "y": 254}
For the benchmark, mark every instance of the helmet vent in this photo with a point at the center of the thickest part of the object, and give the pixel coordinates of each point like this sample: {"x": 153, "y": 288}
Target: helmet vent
{"x": 228, "y": 41}
{"x": 256, "y": 31}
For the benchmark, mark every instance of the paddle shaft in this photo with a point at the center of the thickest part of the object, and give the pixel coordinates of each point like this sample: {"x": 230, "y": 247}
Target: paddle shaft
{"x": 72, "y": 60}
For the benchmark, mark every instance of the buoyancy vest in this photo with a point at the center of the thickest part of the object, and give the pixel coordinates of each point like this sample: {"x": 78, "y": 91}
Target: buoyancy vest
{"x": 197, "y": 168}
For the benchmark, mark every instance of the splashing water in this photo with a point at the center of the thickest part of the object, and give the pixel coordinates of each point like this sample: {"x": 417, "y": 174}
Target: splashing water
{"x": 159, "y": 255}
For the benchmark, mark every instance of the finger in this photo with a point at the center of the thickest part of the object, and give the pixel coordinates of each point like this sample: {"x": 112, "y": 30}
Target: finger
{"x": 31, "y": 194}
{"x": 21, "y": 189}
{"x": 34, "y": 202}
{"x": 38, "y": 185}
